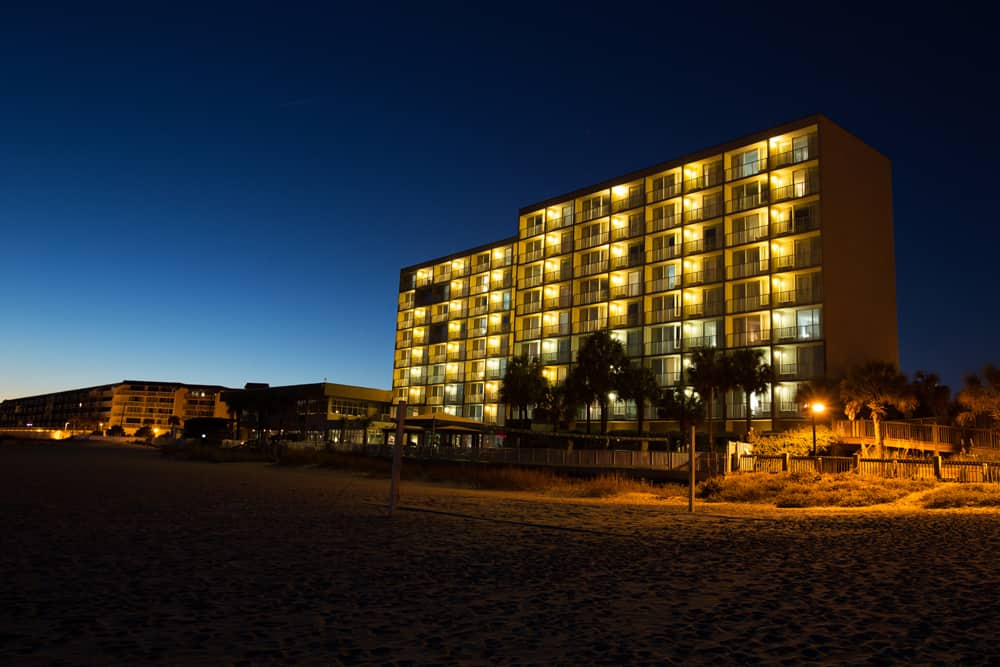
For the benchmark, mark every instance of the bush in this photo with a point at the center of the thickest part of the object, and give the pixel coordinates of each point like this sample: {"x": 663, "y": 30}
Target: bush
{"x": 144, "y": 432}
{"x": 963, "y": 495}
{"x": 116, "y": 431}
{"x": 809, "y": 489}
{"x": 797, "y": 442}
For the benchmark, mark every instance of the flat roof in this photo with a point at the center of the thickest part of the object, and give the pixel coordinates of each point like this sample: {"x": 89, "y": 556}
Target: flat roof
{"x": 461, "y": 253}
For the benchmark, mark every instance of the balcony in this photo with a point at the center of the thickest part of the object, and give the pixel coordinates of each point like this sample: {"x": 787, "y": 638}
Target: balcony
{"x": 748, "y": 303}
{"x": 592, "y": 240}
{"x": 532, "y": 256}
{"x": 529, "y": 281}
{"x": 668, "y": 379}
{"x": 453, "y": 399}
{"x": 626, "y": 261}
{"x": 739, "y": 410}
{"x": 529, "y": 307}
{"x": 478, "y": 309}
{"x": 748, "y": 202}
{"x": 591, "y": 212}
{"x": 671, "y": 346}
{"x": 798, "y": 297}
{"x": 435, "y": 400}
{"x": 494, "y": 373}
{"x": 405, "y": 324}
{"x": 533, "y": 230}
{"x": 794, "y": 190}
{"x": 442, "y": 275}
{"x": 665, "y": 315}
{"x": 492, "y": 396}
{"x": 625, "y": 291}
{"x": 746, "y": 169}
{"x": 711, "y": 275}
{"x": 564, "y": 246}
{"x": 529, "y": 333}
{"x": 663, "y": 284}
{"x": 591, "y": 296}
{"x": 498, "y": 328}
{"x": 702, "y": 245}
{"x": 590, "y": 326}
{"x": 665, "y": 222}
{"x": 712, "y": 209}
{"x": 561, "y": 329}
{"x": 564, "y": 273}
{"x": 558, "y": 222}
{"x": 758, "y": 233}
{"x": 801, "y": 154}
{"x": 661, "y": 193}
{"x": 562, "y": 301}
{"x": 502, "y": 282}
{"x": 625, "y": 321}
{"x": 478, "y": 353}
{"x": 797, "y": 260}
{"x": 591, "y": 268}
{"x": 694, "y": 342}
{"x": 708, "y": 309}
{"x": 804, "y": 332}
{"x": 457, "y": 355}
{"x": 632, "y": 201}
{"x": 748, "y": 338}
{"x": 480, "y": 287}
{"x": 664, "y": 253}
{"x": 712, "y": 175}
{"x": 458, "y": 292}
{"x": 437, "y": 358}
{"x": 802, "y": 223}
{"x": 454, "y": 376}
{"x": 436, "y": 379}
{"x": 439, "y": 317}
{"x": 499, "y": 306}
{"x": 557, "y": 357}
{"x": 794, "y": 370}
{"x": 748, "y": 270}
{"x": 637, "y": 228}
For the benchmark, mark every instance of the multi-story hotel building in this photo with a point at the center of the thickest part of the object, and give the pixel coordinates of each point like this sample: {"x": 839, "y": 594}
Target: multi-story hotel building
{"x": 780, "y": 241}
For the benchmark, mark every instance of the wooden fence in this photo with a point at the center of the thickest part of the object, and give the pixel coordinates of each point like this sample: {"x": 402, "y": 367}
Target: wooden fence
{"x": 929, "y": 468}
{"x": 910, "y": 435}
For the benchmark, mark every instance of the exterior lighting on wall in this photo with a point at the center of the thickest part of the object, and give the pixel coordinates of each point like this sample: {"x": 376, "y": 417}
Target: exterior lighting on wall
{"x": 619, "y": 190}
{"x": 616, "y": 250}
{"x": 617, "y": 222}
{"x": 498, "y": 253}
{"x": 552, "y": 213}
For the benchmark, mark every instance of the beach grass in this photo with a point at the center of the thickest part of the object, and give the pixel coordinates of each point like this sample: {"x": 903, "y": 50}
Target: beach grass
{"x": 809, "y": 490}
{"x": 952, "y": 495}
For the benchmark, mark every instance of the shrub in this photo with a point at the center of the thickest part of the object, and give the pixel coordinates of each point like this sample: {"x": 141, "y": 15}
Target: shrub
{"x": 963, "y": 495}
{"x": 797, "y": 442}
{"x": 809, "y": 490}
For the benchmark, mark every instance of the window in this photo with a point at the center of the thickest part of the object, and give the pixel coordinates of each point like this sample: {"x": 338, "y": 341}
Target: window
{"x": 746, "y": 196}
{"x": 533, "y": 224}
{"x": 592, "y": 235}
{"x": 808, "y": 323}
{"x": 745, "y": 164}
{"x": 593, "y": 207}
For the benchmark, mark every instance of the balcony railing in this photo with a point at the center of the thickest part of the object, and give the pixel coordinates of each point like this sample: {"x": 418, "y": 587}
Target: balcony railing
{"x": 533, "y": 230}
{"x": 797, "y": 297}
{"x": 747, "y": 202}
{"x": 502, "y": 282}
{"x": 593, "y": 267}
{"x": 532, "y": 255}
{"x": 562, "y": 329}
{"x": 705, "y": 309}
{"x": 529, "y": 307}
{"x": 529, "y": 333}
{"x": 592, "y": 240}
{"x": 480, "y": 288}
{"x": 626, "y": 261}
{"x": 478, "y": 310}
{"x": 797, "y": 371}
{"x": 498, "y": 328}
{"x": 665, "y": 222}
{"x": 557, "y": 357}
{"x": 632, "y": 201}
{"x": 797, "y": 155}
{"x": 437, "y": 358}
{"x": 489, "y": 397}
{"x": 804, "y": 332}
{"x": 495, "y": 373}
{"x": 750, "y": 235}
{"x": 558, "y": 222}
{"x": 794, "y": 190}
{"x": 665, "y": 315}
{"x": 593, "y": 212}
{"x": 477, "y": 353}
{"x": 590, "y": 296}
{"x": 797, "y": 260}
{"x": 668, "y": 379}
{"x": 746, "y": 169}
{"x": 625, "y": 291}
{"x": 562, "y": 301}
{"x": 589, "y": 326}
{"x": 442, "y": 275}
{"x": 529, "y": 281}
{"x": 693, "y": 342}
{"x": 805, "y": 223}
{"x": 710, "y": 210}
{"x": 559, "y": 275}
{"x": 748, "y": 303}
{"x": 664, "y": 253}
{"x": 670, "y": 346}
{"x": 713, "y": 175}
{"x": 663, "y": 284}
{"x": 748, "y": 338}
{"x": 628, "y": 231}
{"x": 457, "y": 355}
{"x": 748, "y": 270}
{"x": 665, "y": 192}
{"x": 628, "y": 320}
{"x": 711, "y": 275}
{"x": 702, "y": 245}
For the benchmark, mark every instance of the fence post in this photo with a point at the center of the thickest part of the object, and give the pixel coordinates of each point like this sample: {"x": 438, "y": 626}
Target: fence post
{"x": 937, "y": 467}
{"x": 857, "y": 463}
{"x": 786, "y": 462}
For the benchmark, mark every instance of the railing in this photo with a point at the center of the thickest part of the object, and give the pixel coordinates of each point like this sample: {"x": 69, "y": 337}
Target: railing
{"x": 796, "y": 333}
{"x": 665, "y": 315}
{"x": 750, "y": 235}
{"x": 626, "y": 261}
{"x": 529, "y": 281}
{"x": 532, "y": 255}
{"x": 533, "y": 230}
{"x": 665, "y": 192}
{"x": 558, "y": 275}
{"x": 796, "y": 155}
{"x": 498, "y": 328}
{"x": 562, "y": 329}
{"x": 632, "y": 201}
{"x": 592, "y": 240}
{"x": 561, "y": 248}
{"x": 499, "y": 306}
{"x": 800, "y": 371}
{"x": 748, "y": 270}
{"x": 663, "y": 253}
{"x": 694, "y": 342}
{"x": 748, "y": 303}
{"x": 668, "y": 379}
{"x": 701, "y": 245}
{"x": 442, "y": 276}
{"x": 593, "y": 267}
{"x": 663, "y": 347}
{"x": 907, "y": 432}
{"x": 748, "y": 338}
{"x": 713, "y": 175}
{"x": 797, "y": 260}
{"x": 746, "y": 169}
{"x": 629, "y": 320}
{"x": 528, "y": 334}
{"x": 710, "y": 210}
{"x": 704, "y": 309}
{"x": 628, "y": 231}
{"x": 526, "y": 307}
{"x": 665, "y": 222}
{"x": 593, "y": 212}
{"x": 558, "y": 222}
{"x": 626, "y": 290}
{"x": 477, "y": 331}
{"x": 663, "y": 284}
{"x": 564, "y": 301}
{"x": 713, "y": 275}
{"x": 591, "y": 296}
{"x": 558, "y": 357}
{"x": 748, "y": 201}
{"x": 797, "y": 297}
{"x": 589, "y": 326}
{"x": 503, "y": 282}
{"x": 800, "y": 189}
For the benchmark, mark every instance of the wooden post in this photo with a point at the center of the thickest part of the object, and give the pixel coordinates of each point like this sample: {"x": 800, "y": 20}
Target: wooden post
{"x": 397, "y": 456}
{"x": 786, "y": 462}
{"x": 937, "y": 467}
{"x": 692, "y": 462}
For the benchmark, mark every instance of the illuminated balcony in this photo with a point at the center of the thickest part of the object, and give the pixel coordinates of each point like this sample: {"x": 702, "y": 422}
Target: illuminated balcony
{"x": 626, "y": 261}
{"x": 748, "y": 202}
{"x": 709, "y": 275}
{"x": 665, "y": 315}
{"x": 561, "y": 301}
{"x": 807, "y": 149}
{"x": 593, "y": 211}
{"x": 808, "y": 186}
{"x": 748, "y": 270}
{"x": 797, "y": 260}
{"x": 665, "y": 191}
{"x": 798, "y": 297}
{"x": 748, "y": 338}
{"x": 499, "y": 305}
{"x": 694, "y": 342}
{"x": 703, "y": 309}
{"x": 561, "y": 329}
{"x": 748, "y": 303}
{"x": 557, "y": 357}
{"x": 498, "y": 327}
{"x": 592, "y": 240}
{"x": 531, "y": 255}
{"x": 804, "y": 221}
{"x": 746, "y": 169}
{"x": 495, "y": 373}
{"x": 528, "y": 307}
{"x": 591, "y": 268}
{"x": 659, "y": 224}
{"x": 711, "y": 209}
{"x": 712, "y": 174}
{"x": 626, "y": 290}
{"x": 559, "y": 221}
{"x": 797, "y": 371}
{"x": 590, "y": 296}
{"x": 664, "y": 253}
{"x": 706, "y": 244}
{"x": 627, "y": 230}
{"x": 749, "y": 235}
{"x": 805, "y": 332}
{"x": 625, "y": 321}
{"x": 478, "y": 309}
{"x": 529, "y": 333}
{"x": 590, "y": 326}
{"x": 632, "y": 200}
{"x": 663, "y": 284}
{"x": 530, "y": 281}
{"x": 560, "y": 274}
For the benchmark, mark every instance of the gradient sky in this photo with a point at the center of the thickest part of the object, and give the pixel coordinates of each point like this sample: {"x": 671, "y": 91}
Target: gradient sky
{"x": 226, "y": 193}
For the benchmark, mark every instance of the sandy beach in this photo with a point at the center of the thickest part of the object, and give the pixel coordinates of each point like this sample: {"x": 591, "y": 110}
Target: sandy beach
{"x": 117, "y": 556}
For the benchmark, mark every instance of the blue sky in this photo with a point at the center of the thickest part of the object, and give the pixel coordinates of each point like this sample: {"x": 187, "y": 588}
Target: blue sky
{"x": 226, "y": 193}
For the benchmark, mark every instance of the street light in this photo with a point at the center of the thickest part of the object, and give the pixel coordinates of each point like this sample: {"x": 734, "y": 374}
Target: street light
{"x": 816, "y": 409}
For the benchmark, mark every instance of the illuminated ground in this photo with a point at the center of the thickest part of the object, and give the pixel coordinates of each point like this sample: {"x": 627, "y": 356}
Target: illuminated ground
{"x": 119, "y": 556}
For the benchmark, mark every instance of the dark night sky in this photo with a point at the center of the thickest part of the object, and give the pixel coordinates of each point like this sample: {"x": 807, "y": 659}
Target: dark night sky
{"x": 225, "y": 193}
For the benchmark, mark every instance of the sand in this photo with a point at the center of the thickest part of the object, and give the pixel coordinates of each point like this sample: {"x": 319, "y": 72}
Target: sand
{"x": 118, "y": 556}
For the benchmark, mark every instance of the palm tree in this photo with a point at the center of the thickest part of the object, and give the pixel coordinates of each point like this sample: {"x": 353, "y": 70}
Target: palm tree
{"x": 601, "y": 359}
{"x": 555, "y": 403}
{"x": 932, "y": 397}
{"x": 578, "y": 392}
{"x": 750, "y": 374}
{"x": 877, "y": 386}
{"x": 638, "y": 383}
{"x": 686, "y": 408}
{"x": 980, "y": 397}
{"x": 709, "y": 374}
{"x": 523, "y": 384}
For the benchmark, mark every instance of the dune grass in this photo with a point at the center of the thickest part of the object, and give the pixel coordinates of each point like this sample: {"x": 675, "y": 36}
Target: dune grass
{"x": 809, "y": 490}
{"x": 963, "y": 495}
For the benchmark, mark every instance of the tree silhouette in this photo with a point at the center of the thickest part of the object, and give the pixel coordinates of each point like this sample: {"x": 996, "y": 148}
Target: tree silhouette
{"x": 601, "y": 359}
{"x": 523, "y": 384}
{"x": 876, "y": 386}
{"x": 749, "y": 372}
{"x": 638, "y": 383}
{"x": 710, "y": 374}
{"x": 980, "y": 397}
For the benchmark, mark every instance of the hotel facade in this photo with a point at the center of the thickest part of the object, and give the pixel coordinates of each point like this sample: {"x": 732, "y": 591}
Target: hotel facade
{"x": 781, "y": 241}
